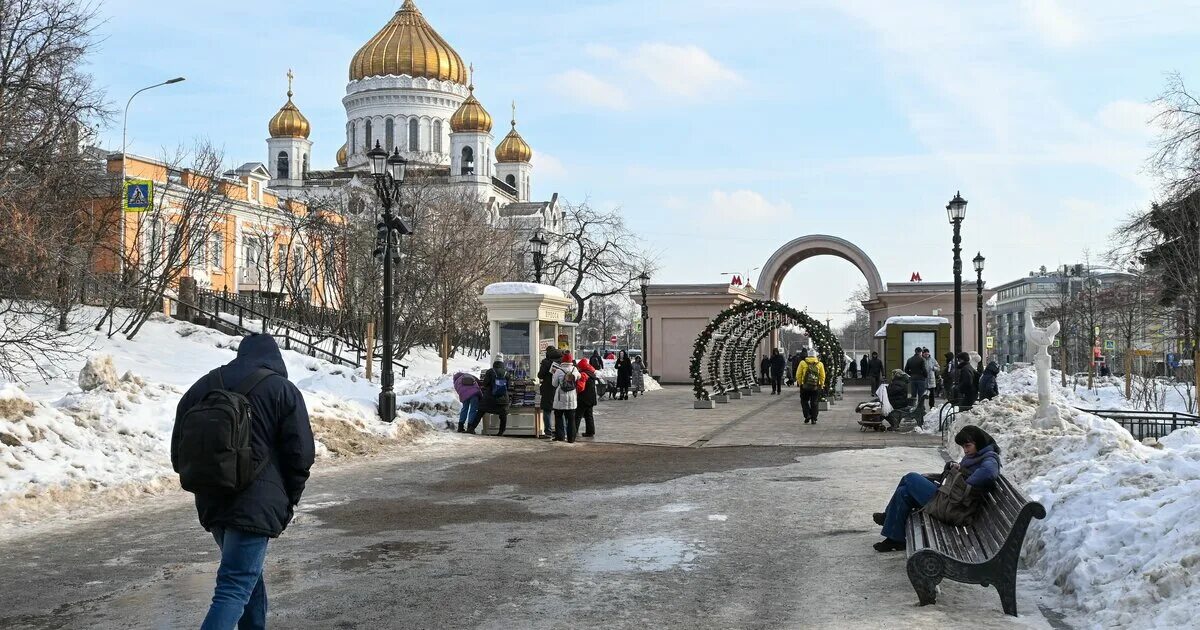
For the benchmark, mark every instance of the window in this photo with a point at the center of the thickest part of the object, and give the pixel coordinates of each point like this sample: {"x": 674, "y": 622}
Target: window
{"x": 298, "y": 267}
{"x": 353, "y": 137}
{"x": 196, "y": 251}
{"x": 304, "y": 166}
{"x": 512, "y": 181}
{"x": 389, "y": 133}
{"x": 281, "y": 165}
{"x": 216, "y": 252}
{"x": 414, "y": 135}
{"x": 468, "y": 161}
{"x": 437, "y": 136}
{"x": 370, "y": 144}
{"x": 252, "y": 254}
{"x": 154, "y": 243}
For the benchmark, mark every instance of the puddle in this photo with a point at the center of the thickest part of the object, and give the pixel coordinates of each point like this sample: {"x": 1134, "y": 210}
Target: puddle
{"x": 643, "y": 554}
{"x": 393, "y": 550}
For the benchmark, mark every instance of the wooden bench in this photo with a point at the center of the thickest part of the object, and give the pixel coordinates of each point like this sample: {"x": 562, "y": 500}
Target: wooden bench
{"x": 984, "y": 552}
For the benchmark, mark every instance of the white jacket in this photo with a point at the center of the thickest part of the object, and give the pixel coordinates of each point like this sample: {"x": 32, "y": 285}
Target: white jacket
{"x": 933, "y": 370}
{"x": 564, "y": 400}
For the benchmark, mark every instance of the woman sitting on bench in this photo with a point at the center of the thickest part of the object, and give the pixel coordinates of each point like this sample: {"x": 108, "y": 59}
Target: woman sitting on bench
{"x": 980, "y": 463}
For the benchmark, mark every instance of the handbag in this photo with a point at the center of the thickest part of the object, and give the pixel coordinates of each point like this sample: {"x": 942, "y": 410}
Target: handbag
{"x": 955, "y": 502}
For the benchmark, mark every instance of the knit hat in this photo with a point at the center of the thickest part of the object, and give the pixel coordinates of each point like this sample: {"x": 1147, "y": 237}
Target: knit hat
{"x": 566, "y": 357}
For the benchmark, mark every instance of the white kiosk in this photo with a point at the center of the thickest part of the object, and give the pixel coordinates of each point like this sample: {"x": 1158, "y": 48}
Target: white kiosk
{"x": 524, "y": 318}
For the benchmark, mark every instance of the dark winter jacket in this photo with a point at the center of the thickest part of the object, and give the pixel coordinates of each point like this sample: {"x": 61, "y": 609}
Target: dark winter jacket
{"x": 874, "y": 369}
{"x": 987, "y": 382}
{"x": 897, "y": 390}
{"x": 587, "y": 375}
{"x": 778, "y": 364}
{"x": 491, "y": 400}
{"x": 915, "y": 368}
{"x": 280, "y": 432}
{"x": 862, "y": 367}
{"x": 624, "y": 373}
{"x": 965, "y": 390}
{"x": 982, "y": 468}
{"x": 545, "y": 387}
{"x": 596, "y": 362}
{"x": 765, "y": 365}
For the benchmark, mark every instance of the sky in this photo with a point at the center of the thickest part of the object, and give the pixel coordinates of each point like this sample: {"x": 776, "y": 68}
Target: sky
{"x": 722, "y": 130}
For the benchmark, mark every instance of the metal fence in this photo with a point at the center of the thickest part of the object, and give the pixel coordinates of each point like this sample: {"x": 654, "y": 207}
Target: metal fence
{"x": 1147, "y": 424}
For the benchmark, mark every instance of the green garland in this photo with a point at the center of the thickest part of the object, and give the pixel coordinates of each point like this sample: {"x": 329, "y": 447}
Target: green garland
{"x": 745, "y": 325}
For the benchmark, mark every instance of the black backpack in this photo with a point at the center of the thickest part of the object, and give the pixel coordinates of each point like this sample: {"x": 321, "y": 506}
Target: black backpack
{"x": 568, "y": 384}
{"x": 215, "y": 455}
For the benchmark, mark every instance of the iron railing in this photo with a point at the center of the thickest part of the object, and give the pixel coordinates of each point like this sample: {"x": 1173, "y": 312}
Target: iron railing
{"x": 1147, "y": 424}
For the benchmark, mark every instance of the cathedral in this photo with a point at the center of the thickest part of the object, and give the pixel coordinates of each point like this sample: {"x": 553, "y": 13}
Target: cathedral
{"x": 409, "y": 90}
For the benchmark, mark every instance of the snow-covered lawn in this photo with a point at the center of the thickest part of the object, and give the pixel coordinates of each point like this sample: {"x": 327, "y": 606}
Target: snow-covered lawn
{"x": 59, "y": 442}
{"x": 1121, "y": 542}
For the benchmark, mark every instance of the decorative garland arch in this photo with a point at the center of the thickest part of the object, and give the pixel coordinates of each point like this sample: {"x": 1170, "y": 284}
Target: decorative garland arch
{"x": 723, "y": 355}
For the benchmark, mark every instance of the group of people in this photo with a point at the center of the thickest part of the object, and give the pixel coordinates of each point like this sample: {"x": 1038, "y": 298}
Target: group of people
{"x": 807, "y": 372}
{"x": 570, "y": 391}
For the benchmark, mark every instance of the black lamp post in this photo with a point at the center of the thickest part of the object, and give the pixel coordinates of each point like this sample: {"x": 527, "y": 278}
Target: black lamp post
{"x": 978, "y": 260}
{"x": 388, "y": 172}
{"x": 645, "y": 277}
{"x": 956, "y": 211}
{"x": 538, "y": 245}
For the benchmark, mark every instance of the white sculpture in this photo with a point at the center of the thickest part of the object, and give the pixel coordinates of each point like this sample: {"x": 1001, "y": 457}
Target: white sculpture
{"x": 1042, "y": 338}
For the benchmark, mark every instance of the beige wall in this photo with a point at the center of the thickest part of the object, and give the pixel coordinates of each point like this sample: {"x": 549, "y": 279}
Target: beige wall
{"x": 678, "y": 336}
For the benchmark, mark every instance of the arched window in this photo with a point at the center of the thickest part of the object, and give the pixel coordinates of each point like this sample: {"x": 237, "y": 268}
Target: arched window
{"x": 512, "y": 181}
{"x": 367, "y": 126}
{"x": 487, "y": 162}
{"x": 353, "y": 138}
{"x": 468, "y": 161}
{"x": 437, "y": 136}
{"x": 304, "y": 166}
{"x": 414, "y": 135}
{"x": 281, "y": 166}
{"x": 389, "y": 134}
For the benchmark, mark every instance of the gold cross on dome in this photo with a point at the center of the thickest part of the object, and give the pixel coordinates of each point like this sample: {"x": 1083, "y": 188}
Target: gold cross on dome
{"x": 514, "y": 117}
{"x": 290, "y": 76}
{"x": 471, "y": 68}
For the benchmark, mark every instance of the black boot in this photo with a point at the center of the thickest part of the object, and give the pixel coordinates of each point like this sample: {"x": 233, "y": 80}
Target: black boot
{"x": 878, "y": 518}
{"x": 887, "y": 544}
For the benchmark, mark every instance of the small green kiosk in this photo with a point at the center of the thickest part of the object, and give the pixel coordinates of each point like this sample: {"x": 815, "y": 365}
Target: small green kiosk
{"x": 902, "y": 335}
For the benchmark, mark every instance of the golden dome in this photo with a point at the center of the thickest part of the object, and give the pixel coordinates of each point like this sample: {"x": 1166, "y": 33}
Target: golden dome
{"x": 342, "y": 157}
{"x": 513, "y": 147}
{"x": 471, "y": 116}
{"x": 288, "y": 122}
{"x": 408, "y": 45}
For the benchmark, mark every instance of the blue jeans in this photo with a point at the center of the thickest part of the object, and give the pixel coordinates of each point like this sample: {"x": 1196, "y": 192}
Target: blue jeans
{"x": 468, "y": 411}
{"x": 913, "y": 492}
{"x": 918, "y": 388}
{"x": 240, "y": 598}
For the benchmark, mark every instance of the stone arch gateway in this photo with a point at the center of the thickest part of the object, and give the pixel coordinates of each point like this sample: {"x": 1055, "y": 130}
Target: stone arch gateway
{"x": 805, "y": 247}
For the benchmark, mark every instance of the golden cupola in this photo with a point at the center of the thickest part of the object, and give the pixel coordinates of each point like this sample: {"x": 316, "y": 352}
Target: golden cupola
{"x": 288, "y": 122}
{"x": 513, "y": 147}
{"x": 471, "y": 116}
{"x": 408, "y": 45}
{"x": 342, "y": 157}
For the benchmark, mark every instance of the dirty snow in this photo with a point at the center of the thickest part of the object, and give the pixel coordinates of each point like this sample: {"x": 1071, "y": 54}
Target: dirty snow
{"x": 1119, "y": 542}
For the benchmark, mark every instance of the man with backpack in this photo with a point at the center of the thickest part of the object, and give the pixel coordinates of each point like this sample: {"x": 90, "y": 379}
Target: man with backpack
{"x": 566, "y": 400}
{"x": 495, "y": 395}
{"x": 243, "y": 445}
{"x": 811, "y": 377}
{"x": 917, "y": 376}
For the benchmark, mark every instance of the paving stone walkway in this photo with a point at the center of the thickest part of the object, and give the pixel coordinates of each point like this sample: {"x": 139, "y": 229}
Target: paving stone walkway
{"x": 667, "y": 418}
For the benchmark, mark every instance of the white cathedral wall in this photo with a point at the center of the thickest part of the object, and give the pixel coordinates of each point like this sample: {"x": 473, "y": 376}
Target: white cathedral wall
{"x": 401, "y": 98}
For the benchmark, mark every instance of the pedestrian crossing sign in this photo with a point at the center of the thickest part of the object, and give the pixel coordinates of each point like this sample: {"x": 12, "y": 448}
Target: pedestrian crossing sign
{"x": 138, "y": 195}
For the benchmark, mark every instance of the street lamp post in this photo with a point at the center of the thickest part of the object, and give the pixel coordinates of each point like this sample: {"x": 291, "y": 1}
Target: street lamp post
{"x": 956, "y": 211}
{"x": 538, "y": 245}
{"x": 978, "y": 260}
{"x": 124, "y": 137}
{"x": 388, "y": 172}
{"x": 645, "y": 277}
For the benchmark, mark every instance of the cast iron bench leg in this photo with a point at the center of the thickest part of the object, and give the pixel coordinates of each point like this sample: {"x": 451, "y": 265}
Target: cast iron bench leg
{"x": 925, "y": 573}
{"x": 1007, "y": 587}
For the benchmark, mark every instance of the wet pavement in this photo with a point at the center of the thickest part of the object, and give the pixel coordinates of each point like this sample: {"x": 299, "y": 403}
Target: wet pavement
{"x": 518, "y": 533}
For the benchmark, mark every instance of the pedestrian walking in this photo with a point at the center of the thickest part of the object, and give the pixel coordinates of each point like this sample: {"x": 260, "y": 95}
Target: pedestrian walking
{"x": 637, "y": 380}
{"x": 932, "y": 370}
{"x": 624, "y": 374}
{"x": 469, "y": 395}
{"x": 566, "y": 398}
{"x": 243, "y": 445}
{"x": 810, "y": 374}
{"x": 874, "y": 371}
{"x": 764, "y": 368}
{"x": 794, "y": 364}
{"x": 546, "y": 390}
{"x": 852, "y": 368}
{"x": 988, "y": 388}
{"x": 588, "y": 396}
{"x": 495, "y": 395}
{"x": 917, "y": 376}
{"x": 778, "y": 365}
{"x": 948, "y": 377}
{"x": 965, "y": 379}
{"x": 596, "y": 361}
{"x": 862, "y": 368}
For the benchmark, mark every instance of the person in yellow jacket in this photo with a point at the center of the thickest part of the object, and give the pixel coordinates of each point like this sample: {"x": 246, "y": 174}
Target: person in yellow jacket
{"x": 811, "y": 378}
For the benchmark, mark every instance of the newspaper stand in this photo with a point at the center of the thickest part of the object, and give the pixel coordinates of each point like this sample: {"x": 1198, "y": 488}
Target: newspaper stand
{"x": 524, "y": 318}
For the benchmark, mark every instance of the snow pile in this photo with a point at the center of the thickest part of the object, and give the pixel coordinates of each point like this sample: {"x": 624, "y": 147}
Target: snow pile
{"x": 523, "y": 288}
{"x": 1119, "y": 540}
{"x": 609, "y": 374}
{"x": 76, "y": 437}
{"x": 913, "y": 320}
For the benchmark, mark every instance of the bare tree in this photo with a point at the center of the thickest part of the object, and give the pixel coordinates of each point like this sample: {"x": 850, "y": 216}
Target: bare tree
{"x": 595, "y": 255}
{"x": 1176, "y": 159}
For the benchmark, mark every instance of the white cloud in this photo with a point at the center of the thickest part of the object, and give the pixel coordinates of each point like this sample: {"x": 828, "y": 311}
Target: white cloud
{"x": 589, "y": 89}
{"x": 548, "y": 166}
{"x": 1055, "y": 25}
{"x": 1130, "y": 117}
{"x": 744, "y": 206}
{"x": 687, "y": 71}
